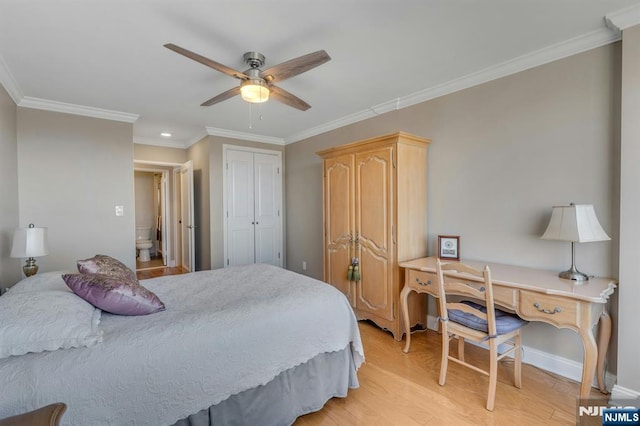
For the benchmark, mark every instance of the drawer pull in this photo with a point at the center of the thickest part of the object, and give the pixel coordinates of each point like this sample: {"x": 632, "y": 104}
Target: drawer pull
{"x": 422, "y": 283}
{"x": 557, "y": 310}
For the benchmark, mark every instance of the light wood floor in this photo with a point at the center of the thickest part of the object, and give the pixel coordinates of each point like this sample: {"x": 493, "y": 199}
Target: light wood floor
{"x": 154, "y": 262}
{"x": 159, "y": 272}
{"x": 402, "y": 389}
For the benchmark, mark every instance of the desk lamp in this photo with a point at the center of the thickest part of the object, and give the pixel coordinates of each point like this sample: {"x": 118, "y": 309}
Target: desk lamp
{"x": 576, "y": 223}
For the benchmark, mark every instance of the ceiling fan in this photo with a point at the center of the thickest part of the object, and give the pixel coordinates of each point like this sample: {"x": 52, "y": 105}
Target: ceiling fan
{"x": 257, "y": 85}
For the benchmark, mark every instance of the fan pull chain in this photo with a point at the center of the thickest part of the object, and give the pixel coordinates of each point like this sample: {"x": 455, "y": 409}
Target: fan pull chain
{"x": 251, "y": 114}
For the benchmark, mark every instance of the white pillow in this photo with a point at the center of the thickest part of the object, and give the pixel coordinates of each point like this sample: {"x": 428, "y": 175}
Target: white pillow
{"x": 46, "y": 321}
{"x": 41, "y": 282}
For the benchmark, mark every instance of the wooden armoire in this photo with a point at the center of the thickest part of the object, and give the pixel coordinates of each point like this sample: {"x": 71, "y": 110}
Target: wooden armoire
{"x": 375, "y": 210}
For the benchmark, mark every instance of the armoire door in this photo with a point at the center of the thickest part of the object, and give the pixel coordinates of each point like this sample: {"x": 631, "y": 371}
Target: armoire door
{"x": 374, "y": 225}
{"x": 253, "y": 208}
{"x": 339, "y": 220}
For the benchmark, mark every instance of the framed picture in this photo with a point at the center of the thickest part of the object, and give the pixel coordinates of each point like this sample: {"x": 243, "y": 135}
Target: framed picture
{"x": 449, "y": 247}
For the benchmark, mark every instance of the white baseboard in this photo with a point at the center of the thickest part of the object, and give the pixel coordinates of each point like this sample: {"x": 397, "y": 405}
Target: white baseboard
{"x": 549, "y": 362}
{"x": 618, "y": 392}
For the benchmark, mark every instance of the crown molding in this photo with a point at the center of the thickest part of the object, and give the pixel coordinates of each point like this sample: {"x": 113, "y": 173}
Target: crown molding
{"x": 214, "y": 131}
{"x": 521, "y": 63}
{"x": 332, "y": 125}
{"x": 615, "y": 23}
{"x": 45, "y": 104}
{"x": 552, "y": 53}
{"x": 13, "y": 88}
{"x": 9, "y": 82}
{"x": 196, "y": 138}
{"x": 167, "y": 143}
{"x": 623, "y": 19}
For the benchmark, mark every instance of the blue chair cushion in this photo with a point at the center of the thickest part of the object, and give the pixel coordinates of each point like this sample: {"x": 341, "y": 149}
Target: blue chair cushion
{"x": 505, "y": 322}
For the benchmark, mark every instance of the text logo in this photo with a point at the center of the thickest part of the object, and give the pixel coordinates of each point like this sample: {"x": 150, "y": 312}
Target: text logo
{"x": 621, "y": 416}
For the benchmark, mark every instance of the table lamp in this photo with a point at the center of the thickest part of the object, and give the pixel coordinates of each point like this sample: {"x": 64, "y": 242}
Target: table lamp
{"x": 576, "y": 223}
{"x": 30, "y": 242}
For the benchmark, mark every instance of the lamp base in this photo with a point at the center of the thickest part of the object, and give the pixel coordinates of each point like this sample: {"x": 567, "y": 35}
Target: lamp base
{"x": 30, "y": 268}
{"x": 574, "y": 275}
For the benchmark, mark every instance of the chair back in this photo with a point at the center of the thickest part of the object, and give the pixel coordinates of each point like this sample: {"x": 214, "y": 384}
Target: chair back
{"x": 460, "y": 279}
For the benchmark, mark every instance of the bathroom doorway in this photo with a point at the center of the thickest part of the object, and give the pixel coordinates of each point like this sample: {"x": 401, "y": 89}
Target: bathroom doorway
{"x": 161, "y": 205}
{"x": 151, "y": 191}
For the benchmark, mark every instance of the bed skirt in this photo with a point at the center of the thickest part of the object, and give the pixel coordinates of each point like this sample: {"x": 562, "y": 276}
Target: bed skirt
{"x": 294, "y": 392}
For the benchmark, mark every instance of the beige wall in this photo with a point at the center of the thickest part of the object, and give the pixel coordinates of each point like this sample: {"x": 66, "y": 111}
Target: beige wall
{"x": 72, "y": 172}
{"x": 159, "y": 154}
{"x": 144, "y": 199}
{"x": 629, "y": 290}
{"x": 10, "y": 269}
{"x": 503, "y": 153}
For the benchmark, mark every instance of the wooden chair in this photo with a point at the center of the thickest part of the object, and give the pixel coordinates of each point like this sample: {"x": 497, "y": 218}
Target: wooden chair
{"x": 44, "y": 416}
{"x": 468, "y": 320}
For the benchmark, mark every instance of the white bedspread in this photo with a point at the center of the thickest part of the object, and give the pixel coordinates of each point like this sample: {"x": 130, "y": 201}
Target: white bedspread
{"x": 223, "y": 332}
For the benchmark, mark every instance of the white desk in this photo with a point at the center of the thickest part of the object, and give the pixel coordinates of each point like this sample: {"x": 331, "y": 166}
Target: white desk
{"x": 535, "y": 295}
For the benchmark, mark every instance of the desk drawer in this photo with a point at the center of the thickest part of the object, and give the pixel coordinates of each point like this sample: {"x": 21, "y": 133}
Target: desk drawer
{"x": 505, "y": 297}
{"x": 549, "y": 308}
{"x": 422, "y": 282}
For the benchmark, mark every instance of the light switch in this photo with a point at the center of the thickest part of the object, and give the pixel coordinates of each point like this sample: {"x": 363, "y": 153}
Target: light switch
{"x": 119, "y": 210}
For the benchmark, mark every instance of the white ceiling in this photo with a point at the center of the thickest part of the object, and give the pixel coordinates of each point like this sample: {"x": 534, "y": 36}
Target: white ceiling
{"x": 106, "y": 58}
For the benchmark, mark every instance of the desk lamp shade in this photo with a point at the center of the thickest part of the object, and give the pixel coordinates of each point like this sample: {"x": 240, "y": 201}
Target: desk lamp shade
{"x": 30, "y": 242}
{"x": 576, "y": 223}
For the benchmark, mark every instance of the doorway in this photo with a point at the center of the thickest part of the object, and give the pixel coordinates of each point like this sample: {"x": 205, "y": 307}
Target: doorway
{"x": 150, "y": 194}
{"x": 163, "y": 207}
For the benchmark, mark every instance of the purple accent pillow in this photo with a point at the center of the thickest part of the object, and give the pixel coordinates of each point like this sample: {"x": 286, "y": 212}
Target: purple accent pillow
{"x": 107, "y": 265}
{"x": 113, "y": 294}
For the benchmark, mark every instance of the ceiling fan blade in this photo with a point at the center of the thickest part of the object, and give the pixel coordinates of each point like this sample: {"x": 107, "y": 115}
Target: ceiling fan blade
{"x": 222, "y": 96}
{"x": 295, "y": 66}
{"x": 287, "y": 98}
{"x": 206, "y": 61}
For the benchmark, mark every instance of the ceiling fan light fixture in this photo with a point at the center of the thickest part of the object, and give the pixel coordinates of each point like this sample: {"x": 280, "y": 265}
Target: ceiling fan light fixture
{"x": 254, "y": 91}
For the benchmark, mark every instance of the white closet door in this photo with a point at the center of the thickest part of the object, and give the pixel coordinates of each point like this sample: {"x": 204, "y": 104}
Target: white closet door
{"x": 267, "y": 209}
{"x": 254, "y": 203}
{"x": 240, "y": 208}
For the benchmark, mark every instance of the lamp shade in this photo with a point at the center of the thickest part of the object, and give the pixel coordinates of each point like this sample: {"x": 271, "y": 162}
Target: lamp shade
{"x": 30, "y": 242}
{"x": 576, "y": 222}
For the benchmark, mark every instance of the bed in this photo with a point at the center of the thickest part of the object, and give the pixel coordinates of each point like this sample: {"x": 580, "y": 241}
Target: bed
{"x": 241, "y": 345}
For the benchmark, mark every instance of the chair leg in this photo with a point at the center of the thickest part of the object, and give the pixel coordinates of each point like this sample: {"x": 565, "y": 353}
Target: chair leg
{"x": 517, "y": 368}
{"x": 461, "y": 348}
{"x": 444, "y": 362}
{"x": 493, "y": 374}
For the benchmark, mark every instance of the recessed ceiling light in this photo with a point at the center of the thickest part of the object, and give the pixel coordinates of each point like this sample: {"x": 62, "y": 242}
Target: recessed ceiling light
{"x": 165, "y": 134}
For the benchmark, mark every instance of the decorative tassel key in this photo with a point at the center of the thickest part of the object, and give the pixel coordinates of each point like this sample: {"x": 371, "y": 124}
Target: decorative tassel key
{"x": 350, "y": 273}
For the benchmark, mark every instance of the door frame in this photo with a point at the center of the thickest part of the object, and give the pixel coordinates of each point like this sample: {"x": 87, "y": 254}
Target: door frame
{"x": 171, "y": 209}
{"x": 146, "y": 166}
{"x": 225, "y": 148}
